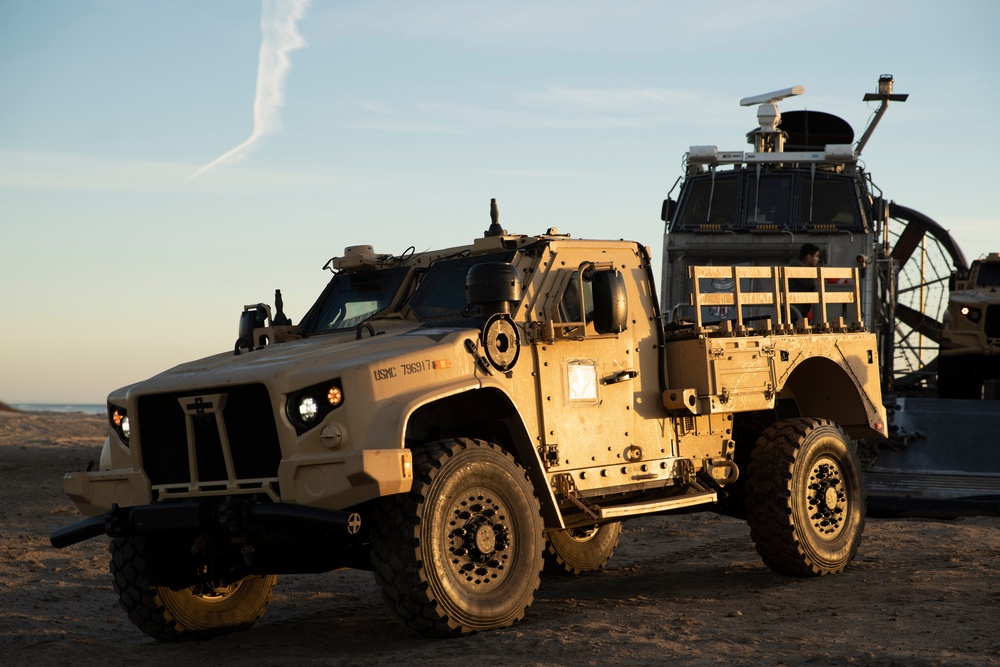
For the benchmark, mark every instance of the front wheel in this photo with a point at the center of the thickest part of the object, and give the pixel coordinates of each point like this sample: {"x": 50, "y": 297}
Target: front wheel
{"x": 198, "y": 612}
{"x": 462, "y": 551}
{"x": 805, "y": 498}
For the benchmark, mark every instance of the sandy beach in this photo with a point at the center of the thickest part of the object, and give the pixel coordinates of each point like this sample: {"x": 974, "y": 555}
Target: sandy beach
{"x": 687, "y": 590}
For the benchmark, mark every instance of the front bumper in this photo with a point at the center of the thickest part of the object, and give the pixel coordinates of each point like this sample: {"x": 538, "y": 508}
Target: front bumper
{"x": 229, "y": 515}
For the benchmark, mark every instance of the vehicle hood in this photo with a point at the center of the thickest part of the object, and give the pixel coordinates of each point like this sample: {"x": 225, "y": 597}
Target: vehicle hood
{"x": 301, "y": 363}
{"x": 979, "y": 297}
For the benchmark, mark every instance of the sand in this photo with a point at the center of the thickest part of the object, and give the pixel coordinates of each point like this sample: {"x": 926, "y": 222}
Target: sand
{"x": 682, "y": 590}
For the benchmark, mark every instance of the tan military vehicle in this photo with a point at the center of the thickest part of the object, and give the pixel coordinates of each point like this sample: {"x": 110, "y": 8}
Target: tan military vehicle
{"x": 460, "y": 420}
{"x": 970, "y": 337}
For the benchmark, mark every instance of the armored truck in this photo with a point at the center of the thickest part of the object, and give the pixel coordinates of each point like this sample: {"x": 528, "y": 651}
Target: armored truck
{"x": 970, "y": 335}
{"x": 460, "y": 420}
{"x": 803, "y": 184}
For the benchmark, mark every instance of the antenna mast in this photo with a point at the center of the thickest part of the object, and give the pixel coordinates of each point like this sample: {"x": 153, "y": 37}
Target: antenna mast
{"x": 884, "y": 95}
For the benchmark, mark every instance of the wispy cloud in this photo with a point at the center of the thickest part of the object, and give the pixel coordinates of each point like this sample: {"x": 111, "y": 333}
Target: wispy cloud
{"x": 279, "y": 37}
{"x": 25, "y": 171}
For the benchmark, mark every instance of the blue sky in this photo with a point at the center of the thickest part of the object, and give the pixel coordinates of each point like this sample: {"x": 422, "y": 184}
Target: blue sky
{"x": 397, "y": 124}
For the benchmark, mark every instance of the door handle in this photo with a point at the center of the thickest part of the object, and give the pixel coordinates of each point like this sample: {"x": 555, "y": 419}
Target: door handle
{"x": 621, "y": 377}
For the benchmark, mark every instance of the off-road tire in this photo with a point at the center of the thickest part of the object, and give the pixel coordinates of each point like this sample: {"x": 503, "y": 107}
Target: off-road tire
{"x": 462, "y": 551}
{"x": 175, "y": 616}
{"x": 579, "y": 550}
{"x": 805, "y": 498}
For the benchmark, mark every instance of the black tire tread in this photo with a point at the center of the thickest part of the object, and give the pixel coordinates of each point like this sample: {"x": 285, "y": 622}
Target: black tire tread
{"x": 769, "y": 512}
{"x": 397, "y": 552}
{"x": 142, "y": 602}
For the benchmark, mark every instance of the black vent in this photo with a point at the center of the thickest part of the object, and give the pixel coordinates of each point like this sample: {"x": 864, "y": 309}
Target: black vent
{"x": 249, "y": 425}
{"x": 993, "y": 322}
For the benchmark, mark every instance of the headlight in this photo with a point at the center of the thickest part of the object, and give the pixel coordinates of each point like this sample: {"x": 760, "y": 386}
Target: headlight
{"x": 119, "y": 423}
{"x": 972, "y": 314}
{"x": 308, "y": 407}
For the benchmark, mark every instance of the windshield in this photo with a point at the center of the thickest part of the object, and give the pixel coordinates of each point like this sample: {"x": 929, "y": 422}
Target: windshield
{"x": 441, "y": 293}
{"x": 352, "y": 298}
{"x": 776, "y": 200}
{"x": 989, "y": 275}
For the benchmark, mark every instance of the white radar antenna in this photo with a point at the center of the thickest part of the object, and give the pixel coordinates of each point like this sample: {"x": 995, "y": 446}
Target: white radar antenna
{"x": 768, "y": 138}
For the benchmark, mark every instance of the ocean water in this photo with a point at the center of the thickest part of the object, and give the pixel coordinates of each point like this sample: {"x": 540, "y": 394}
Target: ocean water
{"x": 88, "y": 408}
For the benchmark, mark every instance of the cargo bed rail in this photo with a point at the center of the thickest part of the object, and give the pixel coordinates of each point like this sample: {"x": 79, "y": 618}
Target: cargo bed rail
{"x": 775, "y": 296}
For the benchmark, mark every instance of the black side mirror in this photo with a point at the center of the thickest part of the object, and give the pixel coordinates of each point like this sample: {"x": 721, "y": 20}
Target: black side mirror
{"x": 880, "y": 209}
{"x": 668, "y": 210}
{"x": 255, "y": 318}
{"x": 610, "y": 302}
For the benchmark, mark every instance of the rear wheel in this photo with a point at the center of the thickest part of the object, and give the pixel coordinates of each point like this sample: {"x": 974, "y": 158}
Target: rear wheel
{"x": 578, "y": 550}
{"x": 462, "y": 551}
{"x": 805, "y": 498}
{"x": 197, "y": 612}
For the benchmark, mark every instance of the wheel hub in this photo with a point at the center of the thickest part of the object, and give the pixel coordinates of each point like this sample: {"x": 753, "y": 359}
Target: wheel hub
{"x": 831, "y": 498}
{"x": 486, "y": 539}
{"x": 479, "y": 542}
{"x": 827, "y": 499}
{"x": 210, "y": 593}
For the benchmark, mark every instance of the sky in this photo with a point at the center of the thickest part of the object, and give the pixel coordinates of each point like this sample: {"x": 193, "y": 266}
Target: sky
{"x": 163, "y": 164}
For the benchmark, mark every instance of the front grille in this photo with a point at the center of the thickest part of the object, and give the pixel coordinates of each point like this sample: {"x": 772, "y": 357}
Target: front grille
{"x": 247, "y": 428}
{"x": 992, "y": 324}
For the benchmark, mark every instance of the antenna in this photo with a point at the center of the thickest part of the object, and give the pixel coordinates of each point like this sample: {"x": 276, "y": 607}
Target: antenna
{"x": 772, "y": 98}
{"x": 768, "y": 138}
{"x": 495, "y": 228}
{"x": 884, "y": 95}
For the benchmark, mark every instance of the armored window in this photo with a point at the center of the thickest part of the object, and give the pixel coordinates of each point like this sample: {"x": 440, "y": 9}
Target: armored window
{"x": 829, "y": 203}
{"x": 352, "y": 298}
{"x": 571, "y": 303}
{"x": 769, "y": 201}
{"x": 989, "y": 275}
{"x": 441, "y": 293}
{"x": 710, "y": 203}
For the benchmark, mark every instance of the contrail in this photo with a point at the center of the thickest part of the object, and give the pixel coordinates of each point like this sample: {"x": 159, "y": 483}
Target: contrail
{"x": 279, "y": 37}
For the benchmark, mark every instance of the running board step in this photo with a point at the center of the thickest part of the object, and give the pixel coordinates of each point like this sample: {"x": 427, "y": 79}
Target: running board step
{"x": 651, "y": 506}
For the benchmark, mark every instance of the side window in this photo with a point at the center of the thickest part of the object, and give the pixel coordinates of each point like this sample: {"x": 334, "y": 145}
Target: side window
{"x": 590, "y": 304}
{"x": 571, "y": 304}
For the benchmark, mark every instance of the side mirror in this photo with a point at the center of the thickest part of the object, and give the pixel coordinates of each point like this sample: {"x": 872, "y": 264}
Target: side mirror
{"x": 880, "y": 209}
{"x": 668, "y": 210}
{"x": 252, "y": 317}
{"x": 610, "y": 302}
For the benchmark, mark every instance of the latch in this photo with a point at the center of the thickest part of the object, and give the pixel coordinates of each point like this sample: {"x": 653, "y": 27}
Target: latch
{"x": 549, "y": 455}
